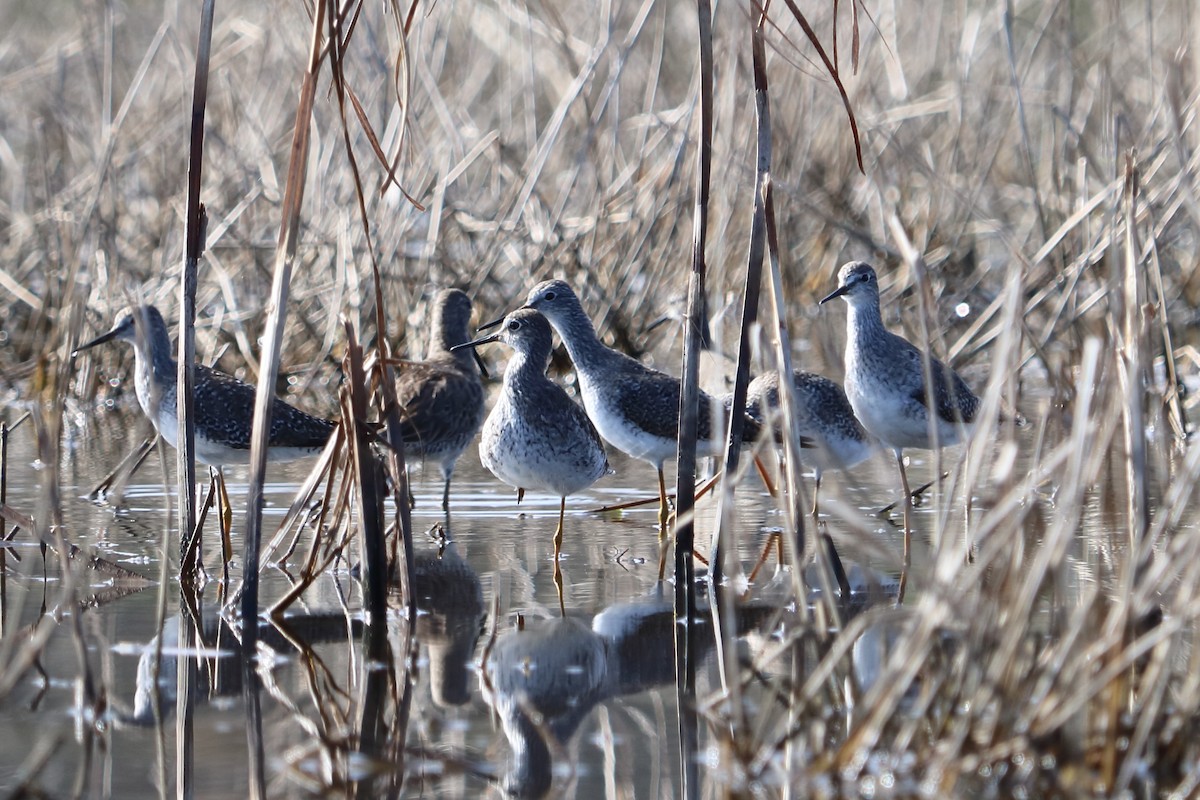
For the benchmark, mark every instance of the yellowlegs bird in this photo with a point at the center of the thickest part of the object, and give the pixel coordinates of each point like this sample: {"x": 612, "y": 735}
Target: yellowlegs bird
{"x": 536, "y": 437}
{"x": 885, "y": 382}
{"x": 441, "y": 398}
{"x": 224, "y": 406}
{"x": 823, "y": 416}
{"x": 635, "y": 408}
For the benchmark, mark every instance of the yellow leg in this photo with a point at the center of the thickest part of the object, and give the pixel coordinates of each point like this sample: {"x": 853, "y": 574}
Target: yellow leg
{"x": 762, "y": 473}
{"x": 772, "y": 539}
{"x": 816, "y": 500}
{"x": 558, "y": 537}
{"x": 558, "y": 533}
{"x": 226, "y": 525}
{"x": 562, "y": 607}
{"x": 907, "y": 500}
{"x": 664, "y": 549}
{"x": 664, "y": 512}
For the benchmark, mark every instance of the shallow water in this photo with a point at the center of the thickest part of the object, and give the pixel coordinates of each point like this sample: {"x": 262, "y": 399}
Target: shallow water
{"x": 601, "y": 680}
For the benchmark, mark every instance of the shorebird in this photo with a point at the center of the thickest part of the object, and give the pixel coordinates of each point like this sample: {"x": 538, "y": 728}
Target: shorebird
{"x": 885, "y": 382}
{"x": 635, "y": 408}
{"x": 536, "y": 437}
{"x": 824, "y": 416}
{"x": 224, "y": 406}
{"x": 441, "y": 398}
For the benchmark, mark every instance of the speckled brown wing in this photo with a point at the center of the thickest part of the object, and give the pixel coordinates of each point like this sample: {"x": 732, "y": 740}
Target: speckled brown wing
{"x": 438, "y": 402}
{"x": 955, "y": 401}
{"x": 225, "y": 406}
{"x": 562, "y": 411}
{"x": 651, "y": 401}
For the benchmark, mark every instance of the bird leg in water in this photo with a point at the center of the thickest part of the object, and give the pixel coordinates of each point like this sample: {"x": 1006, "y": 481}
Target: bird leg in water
{"x": 558, "y": 533}
{"x": 907, "y": 500}
{"x": 226, "y": 518}
{"x": 664, "y": 513}
{"x": 816, "y": 499}
{"x": 562, "y": 608}
{"x": 762, "y": 557}
{"x": 762, "y": 473}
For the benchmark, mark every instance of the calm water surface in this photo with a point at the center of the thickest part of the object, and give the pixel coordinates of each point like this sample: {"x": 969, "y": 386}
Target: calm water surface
{"x": 600, "y": 679}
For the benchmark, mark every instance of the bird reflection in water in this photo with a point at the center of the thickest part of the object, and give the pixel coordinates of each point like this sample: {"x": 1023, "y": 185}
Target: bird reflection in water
{"x": 543, "y": 679}
{"x": 449, "y": 621}
{"x": 218, "y": 648}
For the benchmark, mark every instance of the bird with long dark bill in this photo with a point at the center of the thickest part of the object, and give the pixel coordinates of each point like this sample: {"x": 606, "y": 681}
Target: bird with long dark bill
{"x": 634, "y": 407}
{"x": 223, "y": 405}
{"x": 886, "y": 382}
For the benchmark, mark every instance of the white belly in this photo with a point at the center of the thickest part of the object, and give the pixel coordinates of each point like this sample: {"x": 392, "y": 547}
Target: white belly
{"x": 898, "y": 420}
{"x": 515, "y": 453}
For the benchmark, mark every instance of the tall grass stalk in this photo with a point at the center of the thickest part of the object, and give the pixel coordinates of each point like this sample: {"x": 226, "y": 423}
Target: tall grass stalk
{"x": 196, "y": 223}
{"x": 285, "y": 255}
{"x": 686, "y": 652}
{"x": 189, "y": 535}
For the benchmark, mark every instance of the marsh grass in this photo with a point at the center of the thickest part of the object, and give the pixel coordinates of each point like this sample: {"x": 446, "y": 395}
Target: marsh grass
{"x": 1028, "y": 191}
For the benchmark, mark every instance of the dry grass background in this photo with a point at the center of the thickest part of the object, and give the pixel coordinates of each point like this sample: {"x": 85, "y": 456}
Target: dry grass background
{"x": 560, "y": 139}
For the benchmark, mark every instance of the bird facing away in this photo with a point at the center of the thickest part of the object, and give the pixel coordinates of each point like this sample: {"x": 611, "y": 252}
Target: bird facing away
{"x": 885, "y": 381}
{"x": 536, "y": 437}
{"x": 823, "y": 416}
{"x": 223, "y": 405}
{"x": 441, "y": 398}
{"x": 635, "y": 408}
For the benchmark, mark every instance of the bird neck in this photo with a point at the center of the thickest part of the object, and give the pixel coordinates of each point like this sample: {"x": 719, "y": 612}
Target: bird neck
{"x": 441, "y": 339}
{"x": 155, "y": 353}
{"x": 156, "y": 372}
{"x": 580, "y": 339}
{"x": 524, "y": 366}
{"x": 443, "y": 336}
{"x": 864, "y": 318}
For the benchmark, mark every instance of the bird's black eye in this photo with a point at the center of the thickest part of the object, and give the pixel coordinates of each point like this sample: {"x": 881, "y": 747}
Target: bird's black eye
{"x": 514, "y": 325}
{"x": 549, "y": 295}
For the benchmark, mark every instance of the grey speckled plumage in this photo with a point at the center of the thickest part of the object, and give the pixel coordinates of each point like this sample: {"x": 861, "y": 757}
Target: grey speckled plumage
{"x": 441, "y": 398}
{"x": 823, "y": 414}
{"x": 635, "y": 408}
{"x": 536, "y": 437}
{"x": 224, "y": 406}
{"x": 885, "y": 380}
